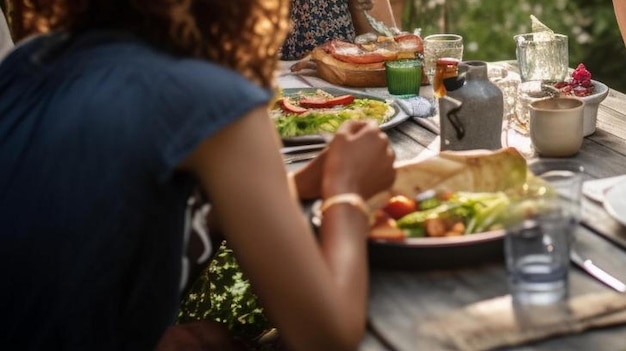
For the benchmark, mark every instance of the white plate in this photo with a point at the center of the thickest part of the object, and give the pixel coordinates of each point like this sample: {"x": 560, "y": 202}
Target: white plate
{"x": 595, "y": 189}
{"x": 615, "y": 202}
{"x": 396, "y": 118}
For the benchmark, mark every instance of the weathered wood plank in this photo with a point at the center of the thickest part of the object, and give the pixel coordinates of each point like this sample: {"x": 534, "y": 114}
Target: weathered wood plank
{"x": 611, "y": 114}
{"x": 400, "y": 300}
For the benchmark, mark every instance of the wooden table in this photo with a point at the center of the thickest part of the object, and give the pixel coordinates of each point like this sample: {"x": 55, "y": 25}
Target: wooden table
{"x": 400, "y": 299}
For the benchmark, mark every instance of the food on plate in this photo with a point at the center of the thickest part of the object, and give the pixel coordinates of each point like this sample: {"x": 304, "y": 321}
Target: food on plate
{"x": 325, "y": 101}
{"x": 399, "y": 206}
{"x": 473, "y": 171}
{"x": 579, "y": 83}
{"x": 453, "y": 193}
{"x": 445, "y": 214}
{"x": 361, "y": 64}
{"x": 385, "y": 228}
{"x": 379, "y": 50}
{"x": 288, "y": 107}
{"x": 358, "y": 53}
{"x": 314, "y": 112}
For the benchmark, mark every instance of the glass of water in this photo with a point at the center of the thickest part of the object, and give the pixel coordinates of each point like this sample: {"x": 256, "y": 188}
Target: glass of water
{"x": 537, "y": 255}
{"x": 539, "y": 232}
{"x": 438, "y": 46}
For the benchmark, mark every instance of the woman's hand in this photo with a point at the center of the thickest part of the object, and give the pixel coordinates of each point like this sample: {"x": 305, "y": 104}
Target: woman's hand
{"x": 308, "y": 179}
{"x": 359, "y": 160}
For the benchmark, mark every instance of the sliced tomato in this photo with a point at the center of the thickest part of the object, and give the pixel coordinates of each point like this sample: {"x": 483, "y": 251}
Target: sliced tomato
{"x": 289, "y": 107}
{"x": 399, "y": 206}
{"x": 321, "y": 102}
{"x": 410, "y": 41}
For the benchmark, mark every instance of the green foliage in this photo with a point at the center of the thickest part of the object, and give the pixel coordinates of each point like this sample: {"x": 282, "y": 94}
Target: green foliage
{"x": 488, "y": 27}
{"x": 224, "y": 295}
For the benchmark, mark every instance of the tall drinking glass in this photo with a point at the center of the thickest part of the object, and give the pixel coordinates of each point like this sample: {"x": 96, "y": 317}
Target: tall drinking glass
{"x": 542, "y": 56}
{"x": 540, "y": 232}
{"x": 437, "y": 46}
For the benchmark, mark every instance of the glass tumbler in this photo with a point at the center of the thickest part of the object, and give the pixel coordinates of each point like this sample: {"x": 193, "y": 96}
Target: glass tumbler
{"x": 542, "y": 56}
{"x": 540, "y": 232}
{"x": 437, "y": 46}
{"x": 404, "y": 77}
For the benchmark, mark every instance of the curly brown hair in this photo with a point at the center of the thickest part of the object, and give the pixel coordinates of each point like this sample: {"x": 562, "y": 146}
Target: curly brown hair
{"x": 241, "y": 34}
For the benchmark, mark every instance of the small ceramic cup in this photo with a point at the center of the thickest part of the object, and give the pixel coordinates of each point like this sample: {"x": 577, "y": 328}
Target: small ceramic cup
{"x": 556, "y": 126}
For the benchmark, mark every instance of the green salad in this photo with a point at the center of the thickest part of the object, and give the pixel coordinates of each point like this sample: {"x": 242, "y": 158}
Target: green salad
{"x": 321, "y": 112}
{"x": 476, "y": 212}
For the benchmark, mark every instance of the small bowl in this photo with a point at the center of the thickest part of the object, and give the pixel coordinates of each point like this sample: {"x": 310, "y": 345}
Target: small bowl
{"x": 592, "y": 103}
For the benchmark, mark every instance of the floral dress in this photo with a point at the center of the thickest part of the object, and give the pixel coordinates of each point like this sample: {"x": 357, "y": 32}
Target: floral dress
{"x": 314, "y": 23}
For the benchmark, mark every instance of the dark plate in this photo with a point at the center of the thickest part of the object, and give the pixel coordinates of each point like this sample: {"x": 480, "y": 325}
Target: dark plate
{"x": 429, "y": 253}
{"x": 437, "y": 253}
{"x": 397, "y": 117}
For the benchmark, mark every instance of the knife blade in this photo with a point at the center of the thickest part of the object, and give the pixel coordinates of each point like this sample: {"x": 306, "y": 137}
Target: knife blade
{"x": 305, "y": 156}
{"x": 598, "y": 273}
{"x": 378, "y": 26}
{"x": 301, "y": 148}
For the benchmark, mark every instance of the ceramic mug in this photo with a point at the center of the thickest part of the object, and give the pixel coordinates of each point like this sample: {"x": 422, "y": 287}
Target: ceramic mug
{"x": 556, "y": 126}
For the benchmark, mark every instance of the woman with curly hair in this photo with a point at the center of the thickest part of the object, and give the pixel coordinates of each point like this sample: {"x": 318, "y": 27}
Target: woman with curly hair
{"x": 109, "y": 121}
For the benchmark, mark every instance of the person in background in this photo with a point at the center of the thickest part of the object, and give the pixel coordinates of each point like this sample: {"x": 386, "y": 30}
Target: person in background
{"x": 6, "y": 42}
{"x": 110, "y": 120}
{"x": 317, "y": 21}
{"x": 620, "y": 14}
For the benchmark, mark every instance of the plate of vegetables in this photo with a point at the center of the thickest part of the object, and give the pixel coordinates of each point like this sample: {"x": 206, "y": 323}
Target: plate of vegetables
{"x": 438, "y": 230}
{"x": 305, "y": 115}
{"x": 439, "y": 216}
{"x": 445, "y": 211}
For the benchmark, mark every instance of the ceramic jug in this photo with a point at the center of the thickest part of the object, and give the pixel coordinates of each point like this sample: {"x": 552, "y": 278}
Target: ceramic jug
{"x": 471, "y": 112}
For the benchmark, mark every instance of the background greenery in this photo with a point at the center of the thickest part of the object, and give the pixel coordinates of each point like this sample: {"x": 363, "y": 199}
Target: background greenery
{"x": 488, "y": 27}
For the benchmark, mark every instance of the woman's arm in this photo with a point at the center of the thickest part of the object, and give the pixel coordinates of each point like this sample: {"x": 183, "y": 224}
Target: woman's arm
{"x": 315, "y": 291}
{"x": 6, "y": 42}
{"x": 380, "y": 9}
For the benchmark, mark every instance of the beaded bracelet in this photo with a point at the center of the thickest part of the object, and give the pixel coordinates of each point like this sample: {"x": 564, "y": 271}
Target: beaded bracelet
{"x": 352, "y": 199}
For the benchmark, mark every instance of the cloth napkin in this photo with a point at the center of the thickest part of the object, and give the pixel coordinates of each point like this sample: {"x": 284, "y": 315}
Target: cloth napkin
{"x": 496, "y": 323}
{"x": 417, "y": 106}
{"x": 422, "y": 110}
{"x": 596, "y": 188}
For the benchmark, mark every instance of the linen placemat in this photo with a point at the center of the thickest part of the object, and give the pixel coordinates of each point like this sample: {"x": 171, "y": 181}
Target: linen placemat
{"x": 495, "y": 323}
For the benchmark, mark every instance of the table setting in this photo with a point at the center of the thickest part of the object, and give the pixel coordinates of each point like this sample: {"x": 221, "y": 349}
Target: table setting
{"x": 549, "y": 278}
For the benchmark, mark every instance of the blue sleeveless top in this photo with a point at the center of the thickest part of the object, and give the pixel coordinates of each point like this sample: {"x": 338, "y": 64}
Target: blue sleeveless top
{"x": 91, "y": 206}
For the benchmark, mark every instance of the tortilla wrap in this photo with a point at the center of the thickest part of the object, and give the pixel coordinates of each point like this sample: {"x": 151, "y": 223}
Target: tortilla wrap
{"x": 474, "y": 170}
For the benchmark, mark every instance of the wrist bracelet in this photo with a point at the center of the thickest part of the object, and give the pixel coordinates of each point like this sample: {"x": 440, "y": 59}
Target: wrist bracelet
{"x": 352, "y": 199}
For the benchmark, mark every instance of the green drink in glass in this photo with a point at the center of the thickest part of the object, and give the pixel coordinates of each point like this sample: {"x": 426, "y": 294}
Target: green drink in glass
{"x": 404, "y": 77}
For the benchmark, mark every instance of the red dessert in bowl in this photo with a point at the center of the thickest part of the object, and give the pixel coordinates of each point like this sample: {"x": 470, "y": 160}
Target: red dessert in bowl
{"x": 590, "y": 91}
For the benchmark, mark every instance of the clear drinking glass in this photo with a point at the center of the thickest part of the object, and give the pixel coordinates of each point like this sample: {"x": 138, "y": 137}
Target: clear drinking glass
{"x": 540, "y": 232}
{"x": 565, "y": 178}
{"x": 537, "y": 254}
{"x": 516, "y": 131}
{"x": 542, "y": 56}
{"x": 437, "y": 46}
